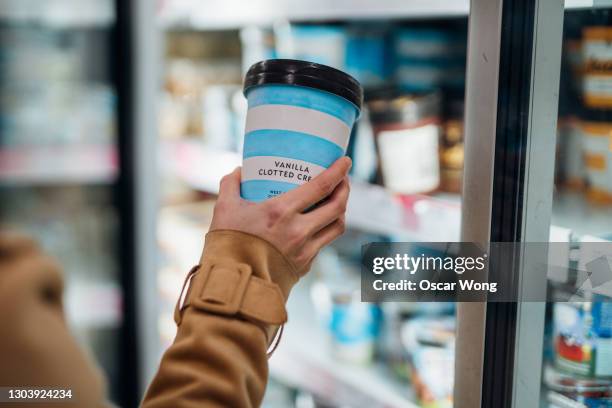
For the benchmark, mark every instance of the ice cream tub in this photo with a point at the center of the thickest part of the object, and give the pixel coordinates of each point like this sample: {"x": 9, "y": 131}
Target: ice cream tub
{"x": 299, "y": 120}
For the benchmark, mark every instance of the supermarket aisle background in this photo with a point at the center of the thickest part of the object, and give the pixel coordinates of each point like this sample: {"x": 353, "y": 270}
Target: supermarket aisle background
{"x": 407, "y": 153}
{"x": 61, "y": 177}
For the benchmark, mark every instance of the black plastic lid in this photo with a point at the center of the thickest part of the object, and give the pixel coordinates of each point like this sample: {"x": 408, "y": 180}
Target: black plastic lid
{"x": 304, "y": 73}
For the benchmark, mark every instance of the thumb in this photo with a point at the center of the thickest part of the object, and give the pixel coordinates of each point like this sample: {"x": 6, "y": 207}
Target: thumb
{"x": 230, "y": 184}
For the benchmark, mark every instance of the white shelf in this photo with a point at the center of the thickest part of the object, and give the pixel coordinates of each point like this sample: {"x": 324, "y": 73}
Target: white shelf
{"x": 60, "y": 14}
{"x": 304, "y": 359}
{"x": 71, "y": 164}
{"x": 226, "y": 14}
{"x": 424, "y": 219}
{"x": 233, "y": 14}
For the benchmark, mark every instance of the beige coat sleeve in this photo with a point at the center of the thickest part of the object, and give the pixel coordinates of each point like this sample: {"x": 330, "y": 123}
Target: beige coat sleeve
{"x": 36, "y": 348}
{"x": 234, "y": 303}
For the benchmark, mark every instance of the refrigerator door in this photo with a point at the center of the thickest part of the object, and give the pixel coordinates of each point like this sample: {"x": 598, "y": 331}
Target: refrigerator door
{"x": 65, "y": 166}
{"x": 510, "y": 111}
{"x": 546, "y": 190}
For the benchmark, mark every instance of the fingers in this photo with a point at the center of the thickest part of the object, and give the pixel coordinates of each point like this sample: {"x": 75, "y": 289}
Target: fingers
{"x": 326, "y": 236}
{"x": 230, "y": 185}
{"x": 330, "y": 210}
{"x": 318, "y": 188}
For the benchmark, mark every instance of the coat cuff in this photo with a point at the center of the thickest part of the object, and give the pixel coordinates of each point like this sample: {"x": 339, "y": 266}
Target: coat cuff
{"x": 265, "y": 260}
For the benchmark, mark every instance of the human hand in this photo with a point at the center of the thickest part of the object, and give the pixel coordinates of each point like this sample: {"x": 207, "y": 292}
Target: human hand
{"x": 281, "y": 220}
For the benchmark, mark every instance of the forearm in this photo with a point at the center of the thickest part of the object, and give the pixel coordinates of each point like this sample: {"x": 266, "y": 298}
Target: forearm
{"x": 235, "y": 301}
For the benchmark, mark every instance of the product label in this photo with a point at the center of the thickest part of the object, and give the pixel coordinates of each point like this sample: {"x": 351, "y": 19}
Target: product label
{"x": 279, "y": 169}
{"x": 288, "y": 145}
{"x": 409, "y": 159}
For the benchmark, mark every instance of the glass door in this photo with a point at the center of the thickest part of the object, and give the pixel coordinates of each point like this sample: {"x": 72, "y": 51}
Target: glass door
{"x": 546, "y": 139}
{"x": 65, "y": 166}
{"x": 575, "y": 324}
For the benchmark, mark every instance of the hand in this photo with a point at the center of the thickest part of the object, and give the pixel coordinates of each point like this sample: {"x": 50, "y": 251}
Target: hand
{"x": 281, "y": 220}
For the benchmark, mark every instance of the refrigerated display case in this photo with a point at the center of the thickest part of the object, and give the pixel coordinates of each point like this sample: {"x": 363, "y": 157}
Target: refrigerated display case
{"x": 544, "y": 174}
{"x": 65, "y": 166}
{"x": 500, "y": 159}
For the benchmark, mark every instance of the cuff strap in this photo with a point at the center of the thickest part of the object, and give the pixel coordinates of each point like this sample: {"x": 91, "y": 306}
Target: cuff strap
{"x": 232, "y": 290}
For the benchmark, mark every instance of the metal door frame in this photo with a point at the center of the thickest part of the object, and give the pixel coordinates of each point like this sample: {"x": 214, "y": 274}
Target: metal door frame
{"x": 514, "y": 53}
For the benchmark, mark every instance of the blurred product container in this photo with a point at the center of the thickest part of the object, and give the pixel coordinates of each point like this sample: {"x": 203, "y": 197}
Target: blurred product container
{"x": 451, "y": 149}
{"x": 199, "y": 76}
{"x": 597, "y": 56}
{"x": 352, "y": 325}
{"x": 596, "y": 127}
{"x": 596, "y": 123}
{"x": 429, "y": 343}
{"x": 429, "y": 58}
{"x": 367, "y": 56}
{"x": 72, "y": 92}
{"x": 407, "y": 133}
{"x": 583, "y": 338}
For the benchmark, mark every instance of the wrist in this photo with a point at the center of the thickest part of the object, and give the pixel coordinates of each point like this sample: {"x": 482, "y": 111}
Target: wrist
{"x": 266, "y": 261}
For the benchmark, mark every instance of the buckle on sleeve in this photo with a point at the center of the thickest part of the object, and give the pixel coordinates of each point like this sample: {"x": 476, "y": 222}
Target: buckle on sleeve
{"x": 222, "y": 288}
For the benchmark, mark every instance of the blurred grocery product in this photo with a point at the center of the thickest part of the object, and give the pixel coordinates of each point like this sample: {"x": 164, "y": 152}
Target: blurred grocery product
{"x": 200, "y": 79}
{"x": 583, "y": 338}
{"x": 407, "y": 132}
{"x": 73, "y": 92}
{"x": 367, "y": 56}
{"x": 396, "y": 316}
{"x": 353, "y": 326}
{"x": 430, "y": 346}
{"x": 451, "y": 148}
{"x": 596, "y": 127}
{"x": 428, "y": 58}
{"x": 597, "y": 57}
